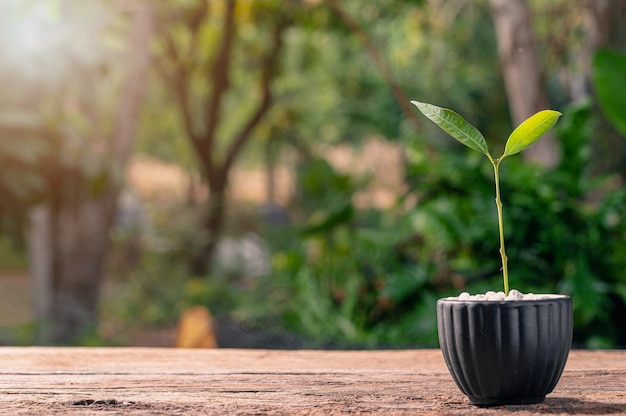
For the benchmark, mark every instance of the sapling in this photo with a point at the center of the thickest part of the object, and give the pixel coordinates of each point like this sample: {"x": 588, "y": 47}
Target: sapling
{"x": 522, "y": 137}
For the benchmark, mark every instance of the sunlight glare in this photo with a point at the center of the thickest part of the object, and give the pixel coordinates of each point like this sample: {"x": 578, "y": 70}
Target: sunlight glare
{"x": 46, "y": 41}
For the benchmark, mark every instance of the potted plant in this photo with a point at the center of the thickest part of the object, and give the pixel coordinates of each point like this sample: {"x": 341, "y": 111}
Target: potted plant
{"x": 506, "y": 347}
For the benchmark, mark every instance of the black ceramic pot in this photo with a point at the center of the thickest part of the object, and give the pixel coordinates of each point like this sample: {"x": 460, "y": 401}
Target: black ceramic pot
{"x": 505, "y": 352}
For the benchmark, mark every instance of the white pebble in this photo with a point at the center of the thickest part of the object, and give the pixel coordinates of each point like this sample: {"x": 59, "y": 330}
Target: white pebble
{"x": 499, "y": 296}
{"x": 515, "y": 295}
{"x": 496, "y": 296}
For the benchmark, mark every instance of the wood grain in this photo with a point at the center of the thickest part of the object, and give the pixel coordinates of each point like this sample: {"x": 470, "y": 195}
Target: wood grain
{"x": 145, "y": 381}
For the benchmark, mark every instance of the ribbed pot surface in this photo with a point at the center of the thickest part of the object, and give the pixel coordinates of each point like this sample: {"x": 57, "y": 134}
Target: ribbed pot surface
{"x": 505, "y": 352}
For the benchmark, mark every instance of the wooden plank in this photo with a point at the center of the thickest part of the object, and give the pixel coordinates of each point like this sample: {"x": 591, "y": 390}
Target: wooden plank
{"x": 144, "y": 381}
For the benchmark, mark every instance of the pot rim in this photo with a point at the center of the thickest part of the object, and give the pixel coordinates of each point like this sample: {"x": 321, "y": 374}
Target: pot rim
{"x": 553, "y": 297}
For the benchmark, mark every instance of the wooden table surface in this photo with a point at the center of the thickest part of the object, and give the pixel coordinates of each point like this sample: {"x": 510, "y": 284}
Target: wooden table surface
{"x": 155, "y": 381}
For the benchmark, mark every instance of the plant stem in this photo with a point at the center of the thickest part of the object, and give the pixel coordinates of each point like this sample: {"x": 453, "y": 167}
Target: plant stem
{"x": 505, "y": 259}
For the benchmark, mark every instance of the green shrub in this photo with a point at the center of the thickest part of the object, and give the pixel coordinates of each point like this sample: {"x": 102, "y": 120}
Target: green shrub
{"x": 372, "y": 278}
{"x": 345, "y": 277}
{"x": 569, "y": 234}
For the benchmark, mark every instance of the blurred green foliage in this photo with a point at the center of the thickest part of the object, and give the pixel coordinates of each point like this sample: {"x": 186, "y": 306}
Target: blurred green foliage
{"x": 370, "y": 278}
{"x": 11, "y": 258}
{"x": 608, "y": 78}
{"x": 346, "y": 276}
{"x": 374, "y": 277}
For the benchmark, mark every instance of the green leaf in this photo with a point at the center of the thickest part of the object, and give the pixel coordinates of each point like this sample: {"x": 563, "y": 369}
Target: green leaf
{"x": 530, "y": 131}
{"x": 608, "y": 80}
{"x": 454, "y": 125}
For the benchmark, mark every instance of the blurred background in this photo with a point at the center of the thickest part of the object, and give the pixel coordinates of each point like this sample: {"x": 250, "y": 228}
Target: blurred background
{"x": 250, "y": 173}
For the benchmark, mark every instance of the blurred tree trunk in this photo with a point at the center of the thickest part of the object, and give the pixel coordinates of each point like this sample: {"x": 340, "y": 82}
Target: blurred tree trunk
{"x": 522, "y": 73}
{"x": 217, "y": 173}
{"x": 68, "y": 240}
{"x": 177, "y": 68}
{"x": 67, "y": 246}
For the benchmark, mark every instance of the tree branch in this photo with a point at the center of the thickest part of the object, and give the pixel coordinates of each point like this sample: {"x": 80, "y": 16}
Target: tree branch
{"x": 177, "y": 78}
{"x": 379, "y": 61}
{"x": 267, "y": 74}
{"x": 219, "y": 74}
{"x": 175, "y": 71}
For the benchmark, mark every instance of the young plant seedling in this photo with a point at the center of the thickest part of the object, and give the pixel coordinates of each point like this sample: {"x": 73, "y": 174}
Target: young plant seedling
{"x": 522, "y": 137}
